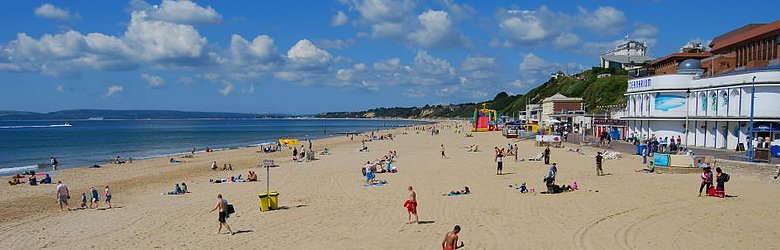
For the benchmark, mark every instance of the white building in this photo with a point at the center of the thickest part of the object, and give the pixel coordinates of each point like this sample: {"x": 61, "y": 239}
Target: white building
{"x": 716, "y": 109}
{"x": 626, "y": 56}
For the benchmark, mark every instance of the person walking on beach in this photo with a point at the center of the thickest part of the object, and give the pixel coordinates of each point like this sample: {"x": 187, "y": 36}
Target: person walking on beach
{"x": 516, "y": 151}
{"x": 54, "y": 163}
{"x": 62, "y": 195}
{"x": 95, "y": 198}
{"x": 500, "y": 162}
{"x": 107, "y": 193}
{"x": 450, "y": 241}
{"x": 547, "y": 155}
{"x": 599, "y": 159}
{"x": 411, "y": 206}
{"x": 309, "y": 145}
{"x": 221, "y": 207}
{"x": 442, "y": 152}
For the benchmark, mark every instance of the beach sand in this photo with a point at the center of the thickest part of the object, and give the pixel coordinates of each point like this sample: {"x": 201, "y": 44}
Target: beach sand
{"x": 327, "y": 207}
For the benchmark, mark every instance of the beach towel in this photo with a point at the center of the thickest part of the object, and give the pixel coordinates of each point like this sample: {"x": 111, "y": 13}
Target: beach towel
{"x": 374, "y": 185}
{"x": 451, "y": 194}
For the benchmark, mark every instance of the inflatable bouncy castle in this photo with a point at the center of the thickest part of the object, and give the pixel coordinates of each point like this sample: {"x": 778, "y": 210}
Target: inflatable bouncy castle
{"x": 485, "y": 119}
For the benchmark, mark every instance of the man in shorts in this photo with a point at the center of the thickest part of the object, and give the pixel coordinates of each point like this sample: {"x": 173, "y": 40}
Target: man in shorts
{"x": 450, "y": 241}
{"x": 62, "y": 195}
{"x": 221, "y": 206}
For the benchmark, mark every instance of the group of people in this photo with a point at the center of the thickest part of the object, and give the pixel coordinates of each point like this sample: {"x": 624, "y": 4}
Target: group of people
{"x": 720, "y": 179}
{"x": 178, "y": 189}
{"x": 119, "y": 160}
{"x": 381, "y": 165}
{"x": 32, "y": 180}
{"x": 225, "y": 167}
{"x": 63, "y": 195}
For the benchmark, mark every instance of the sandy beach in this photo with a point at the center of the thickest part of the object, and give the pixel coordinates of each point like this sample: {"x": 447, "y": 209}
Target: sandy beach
{"x": 326, "y": 205}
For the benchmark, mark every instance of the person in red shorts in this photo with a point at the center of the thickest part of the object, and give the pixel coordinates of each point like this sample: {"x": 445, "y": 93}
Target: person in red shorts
{"x": 411, "y": 206}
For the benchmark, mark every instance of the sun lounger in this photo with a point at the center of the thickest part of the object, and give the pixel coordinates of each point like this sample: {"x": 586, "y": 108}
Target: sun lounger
{"x": 537, "y": 158}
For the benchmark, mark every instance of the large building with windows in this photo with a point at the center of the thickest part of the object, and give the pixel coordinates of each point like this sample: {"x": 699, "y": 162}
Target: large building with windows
{"x": 710, "y": 106}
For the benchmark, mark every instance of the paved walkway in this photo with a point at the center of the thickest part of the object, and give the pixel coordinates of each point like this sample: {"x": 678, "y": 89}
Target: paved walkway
{"x": 628, "y": 148}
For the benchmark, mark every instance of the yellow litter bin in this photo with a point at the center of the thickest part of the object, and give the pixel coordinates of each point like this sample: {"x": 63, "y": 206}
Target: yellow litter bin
{"x": 269, "y": 201}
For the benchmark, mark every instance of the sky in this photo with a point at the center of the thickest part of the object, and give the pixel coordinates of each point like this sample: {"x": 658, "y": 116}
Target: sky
{"x": 305, "y": 57}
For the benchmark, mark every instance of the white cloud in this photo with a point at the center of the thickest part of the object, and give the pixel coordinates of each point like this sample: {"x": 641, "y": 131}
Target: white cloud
{"x": 227, "y": 89}
{"x": 459, "y": 11}
{"x": 304, "y": 54}
{"x": 152, "y": 81}
{"x": 114, "y": 90}
{"x": 396, "y": 20}
{"x": 603, "y": 21}
{"x": 157, "y": 40}
{"x": 534, "y": 69}
{"x": 334, "y": 43}
{"x": 544, "y": 26}
{"x": 437, "y": 30}
{"x": 60, "y": 89}
{"x": 646, "y": 33}
{"x": 429, "y": 70}
{"x": 531, "y": 26}
{"x": 260, "y": 50}
{"x": 249, "y": 90}
{"x": 178, "y": 11}
{"x": 50, "y": 11}
{"x": 566, "y": 40}
{"x": 339, "y": 19}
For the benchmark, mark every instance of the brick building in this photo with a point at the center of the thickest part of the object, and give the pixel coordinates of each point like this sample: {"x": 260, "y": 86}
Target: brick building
{"x": 558, "y": 104}
{"x": 751, "y": 46}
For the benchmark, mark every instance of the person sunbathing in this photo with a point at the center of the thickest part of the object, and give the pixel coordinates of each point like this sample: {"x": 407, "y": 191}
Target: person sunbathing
{"x": 465, "y": 190}
{"x": 174, "y": 161}
{"x": 252, "y": 176}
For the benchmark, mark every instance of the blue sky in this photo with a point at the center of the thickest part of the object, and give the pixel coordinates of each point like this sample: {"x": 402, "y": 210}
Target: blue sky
{"x": 316, "y": 56}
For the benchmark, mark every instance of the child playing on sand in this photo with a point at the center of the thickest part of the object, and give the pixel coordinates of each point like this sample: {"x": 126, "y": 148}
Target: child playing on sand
{"x": 83, "y": 200}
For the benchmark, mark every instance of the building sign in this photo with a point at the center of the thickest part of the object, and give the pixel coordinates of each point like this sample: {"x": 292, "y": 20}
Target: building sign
{"x": 640, "y": 83}
{"x": 609, "y": 121}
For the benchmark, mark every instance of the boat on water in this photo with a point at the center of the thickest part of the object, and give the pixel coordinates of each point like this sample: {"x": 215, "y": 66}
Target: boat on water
{"x": 289, "y": 141}
{"x": 67, "y": 124}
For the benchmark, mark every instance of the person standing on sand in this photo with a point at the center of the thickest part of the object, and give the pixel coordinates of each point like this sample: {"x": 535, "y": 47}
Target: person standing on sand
{"x": 222, "y": 214}
{"x": 95, "y": 198}
{"x": 214, "y": 165}
{"x": 706, "y": 179}
{"x": 309, "y": 145}
{"x": 54, "y": 163}
{"x": 442, "y": 152}
{"x": 450, "y": 241}
{"x": 107, "y": 193}
{"x": 411, "y": 206}
{"x": 547, "y": 155}
{"x": 720, "y": 178}
{"x": 62, "y": 195}
{"x": 599, "y": 159}
{"x": 516, "y": 151}
{"x": 500, "y": 162}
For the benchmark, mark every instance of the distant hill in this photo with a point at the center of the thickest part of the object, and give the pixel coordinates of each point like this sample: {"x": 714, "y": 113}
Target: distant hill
{"x": 77, "y": 114}
{"x": 594, "y": 91}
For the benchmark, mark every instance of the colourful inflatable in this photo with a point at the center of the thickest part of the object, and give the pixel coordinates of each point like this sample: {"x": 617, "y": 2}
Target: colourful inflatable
{"x": 484, "y": 120}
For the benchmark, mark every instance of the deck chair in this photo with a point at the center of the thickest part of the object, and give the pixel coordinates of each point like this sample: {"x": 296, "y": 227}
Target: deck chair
{"x": 537, "y": 158}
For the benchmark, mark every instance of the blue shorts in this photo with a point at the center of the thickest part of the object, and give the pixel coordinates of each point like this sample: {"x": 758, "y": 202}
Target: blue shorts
{"x": 369, "y": 176}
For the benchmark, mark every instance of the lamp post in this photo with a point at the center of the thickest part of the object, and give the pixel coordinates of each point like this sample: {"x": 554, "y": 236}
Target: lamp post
{"x": 687, "y": 114}
{"x": 750, "y": 128}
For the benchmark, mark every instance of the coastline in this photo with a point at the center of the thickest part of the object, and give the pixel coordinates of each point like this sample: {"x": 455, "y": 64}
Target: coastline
{"x": 167, "y": 153}
{"x": 326, "y": 206}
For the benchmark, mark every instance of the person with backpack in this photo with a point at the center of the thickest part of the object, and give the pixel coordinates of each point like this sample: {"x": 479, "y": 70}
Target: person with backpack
{"x": 223, "y": 208}
{"x": 721, "y": 179}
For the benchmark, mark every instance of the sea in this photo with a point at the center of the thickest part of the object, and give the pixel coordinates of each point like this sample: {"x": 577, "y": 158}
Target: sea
{"x": 24, "y": 145}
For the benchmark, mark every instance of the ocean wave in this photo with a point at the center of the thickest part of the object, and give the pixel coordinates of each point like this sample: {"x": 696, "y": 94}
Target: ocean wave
{"x": 35, "y": 126}
{"x": 17, "y": 170}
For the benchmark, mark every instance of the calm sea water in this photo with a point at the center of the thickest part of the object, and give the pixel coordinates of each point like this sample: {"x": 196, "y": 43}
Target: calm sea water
{"x": 24, "y": 144}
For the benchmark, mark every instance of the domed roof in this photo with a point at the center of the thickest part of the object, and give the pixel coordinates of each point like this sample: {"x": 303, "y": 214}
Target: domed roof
{"x": 689, "y": 64}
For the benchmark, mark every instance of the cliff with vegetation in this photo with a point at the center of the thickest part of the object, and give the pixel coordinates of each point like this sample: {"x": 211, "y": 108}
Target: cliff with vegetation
{"x": 594, "y": 91}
